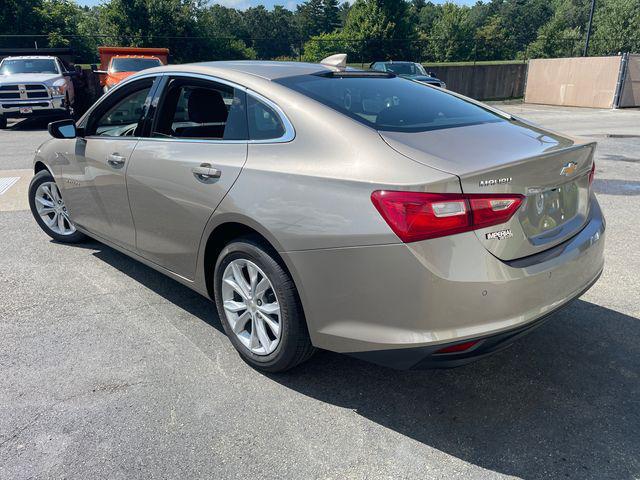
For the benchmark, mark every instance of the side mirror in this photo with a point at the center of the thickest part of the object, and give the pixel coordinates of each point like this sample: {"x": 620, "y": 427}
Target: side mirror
{"x": 431, "y": 74}
{"x": 63, "y": 129}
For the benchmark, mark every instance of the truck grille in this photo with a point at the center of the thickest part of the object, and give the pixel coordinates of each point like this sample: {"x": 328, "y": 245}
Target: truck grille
{"x": 23, "y": 91}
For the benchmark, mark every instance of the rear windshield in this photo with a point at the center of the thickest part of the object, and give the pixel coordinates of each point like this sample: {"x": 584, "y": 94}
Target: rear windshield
{"x": 35, "y": 65}
{"x": 391, "y": 104}
{"x": 133, "y": 64}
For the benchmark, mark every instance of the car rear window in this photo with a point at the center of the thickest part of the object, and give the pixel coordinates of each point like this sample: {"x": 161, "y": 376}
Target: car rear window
{"x": 390, "y": 103}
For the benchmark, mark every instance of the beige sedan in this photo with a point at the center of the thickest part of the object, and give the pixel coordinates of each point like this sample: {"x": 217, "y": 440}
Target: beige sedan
{"x": 324, "y": 207}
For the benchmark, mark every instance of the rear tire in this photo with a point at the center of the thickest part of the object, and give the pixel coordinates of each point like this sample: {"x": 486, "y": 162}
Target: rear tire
{"x": 49, "y": 210}
{"x": 243, "y": 314}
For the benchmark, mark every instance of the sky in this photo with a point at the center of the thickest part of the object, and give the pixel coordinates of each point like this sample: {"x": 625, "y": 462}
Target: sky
{"x": 253, "y": 3}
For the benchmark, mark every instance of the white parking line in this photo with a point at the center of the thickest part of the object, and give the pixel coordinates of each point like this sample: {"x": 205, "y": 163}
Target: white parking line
{"x": 14, "y": 185}
{"x": 6, "y": 183}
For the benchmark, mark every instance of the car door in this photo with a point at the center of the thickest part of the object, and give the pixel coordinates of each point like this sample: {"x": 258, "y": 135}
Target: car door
{"x": 180, "y": 172}
{"x": 94, "y": 184}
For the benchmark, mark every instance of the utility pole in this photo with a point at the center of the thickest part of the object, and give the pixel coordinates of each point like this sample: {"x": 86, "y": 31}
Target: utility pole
{"x": 586, "y": 45}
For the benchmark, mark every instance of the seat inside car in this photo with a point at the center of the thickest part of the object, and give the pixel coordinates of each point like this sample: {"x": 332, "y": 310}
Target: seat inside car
{"x": 205, "y": 107}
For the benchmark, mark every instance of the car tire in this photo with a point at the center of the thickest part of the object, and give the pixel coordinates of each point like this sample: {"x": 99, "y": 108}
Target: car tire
{"x": 40, "y": 192}
{"x": 3, "y": 122}
{"x": 292, "y": 343}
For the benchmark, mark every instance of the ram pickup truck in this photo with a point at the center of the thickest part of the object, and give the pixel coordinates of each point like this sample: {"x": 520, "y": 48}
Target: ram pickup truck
{"x": 34, "y": 85}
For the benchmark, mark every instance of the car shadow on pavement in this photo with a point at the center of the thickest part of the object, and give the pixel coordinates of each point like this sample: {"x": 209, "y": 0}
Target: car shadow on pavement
{"x": 34, "y": 123}
{"x": 563, "y": 402}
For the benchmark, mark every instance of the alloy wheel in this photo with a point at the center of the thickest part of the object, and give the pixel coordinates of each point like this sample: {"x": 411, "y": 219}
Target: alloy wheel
{"x": 251, "y": 306}
{"x": 52, "y": 210}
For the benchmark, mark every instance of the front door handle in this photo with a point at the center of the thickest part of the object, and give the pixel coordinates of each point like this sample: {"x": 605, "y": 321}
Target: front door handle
{"x": 205, "y": 172}
{"x": 115, "y": 160}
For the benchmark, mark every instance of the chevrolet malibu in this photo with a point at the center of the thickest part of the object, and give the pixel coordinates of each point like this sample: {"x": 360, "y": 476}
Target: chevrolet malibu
{"x": 324, "y": 207}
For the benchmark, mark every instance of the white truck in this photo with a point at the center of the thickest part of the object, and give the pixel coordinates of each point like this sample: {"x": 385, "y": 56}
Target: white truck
{"x": 34, "y": 85}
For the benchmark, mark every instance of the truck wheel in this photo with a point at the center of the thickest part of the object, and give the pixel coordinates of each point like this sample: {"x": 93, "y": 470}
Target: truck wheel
{"x": 3, "y": 122}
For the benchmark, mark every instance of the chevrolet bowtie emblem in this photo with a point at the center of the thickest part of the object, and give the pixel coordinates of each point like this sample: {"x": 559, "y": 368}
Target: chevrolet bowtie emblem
{"x": 569, "y": 169}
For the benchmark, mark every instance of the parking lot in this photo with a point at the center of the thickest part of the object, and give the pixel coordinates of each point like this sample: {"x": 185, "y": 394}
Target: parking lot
{"x": 109, "y": 369}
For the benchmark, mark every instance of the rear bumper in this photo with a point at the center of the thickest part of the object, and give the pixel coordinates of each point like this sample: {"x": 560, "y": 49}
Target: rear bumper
{"x": 428, "y": 357}
{"x": 386, "y": 302}
{"x": 44, "y": 106}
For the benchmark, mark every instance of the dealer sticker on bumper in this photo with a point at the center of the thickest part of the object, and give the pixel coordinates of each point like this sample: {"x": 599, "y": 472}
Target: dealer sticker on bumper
{"x": 26, "y": 110}
{"x": 499, "y": 235}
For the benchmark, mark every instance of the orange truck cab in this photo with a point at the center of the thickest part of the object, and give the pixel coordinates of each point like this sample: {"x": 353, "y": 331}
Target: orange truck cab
{"x": 117, "y": 63}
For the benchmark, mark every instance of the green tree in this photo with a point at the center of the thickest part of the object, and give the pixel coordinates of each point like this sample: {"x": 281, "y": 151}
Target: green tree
{"x": 522, "y": 19}
{"x": 381, "y": 27}
{"x": 272, "y": 34}
{"x": 325, "y": 44}
{"x": 17, "y": 17}
{"x": 617, "y": 27}
{"x": 310, "y": 18}
{"x": 492, "y": 41}
{"x": 452, "y": 36}
{"x": 330, "y": 15}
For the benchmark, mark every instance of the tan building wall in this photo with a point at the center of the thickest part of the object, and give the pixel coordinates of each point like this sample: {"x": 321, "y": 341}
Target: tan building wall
{"x": 630, "y": 96}
{"x": 578, "y": 82}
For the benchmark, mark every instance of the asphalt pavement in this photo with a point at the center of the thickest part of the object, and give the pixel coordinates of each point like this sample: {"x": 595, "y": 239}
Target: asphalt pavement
{"x": 108, "y": 369}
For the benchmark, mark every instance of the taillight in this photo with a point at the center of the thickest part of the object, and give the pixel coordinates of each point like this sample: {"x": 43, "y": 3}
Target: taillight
{"x": 592, "y": 173}
{"x": 415, "y": 216}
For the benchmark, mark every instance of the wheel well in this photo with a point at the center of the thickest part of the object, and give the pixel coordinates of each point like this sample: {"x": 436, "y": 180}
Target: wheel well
{"x": 38, "y": 167}
{"x": 224, "y": 234}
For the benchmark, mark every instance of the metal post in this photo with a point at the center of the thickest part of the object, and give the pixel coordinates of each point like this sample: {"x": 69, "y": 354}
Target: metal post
{"x": 586, "y": 45}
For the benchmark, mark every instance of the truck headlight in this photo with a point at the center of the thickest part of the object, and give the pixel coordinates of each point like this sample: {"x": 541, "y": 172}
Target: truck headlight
{"x": 56, "y": 90}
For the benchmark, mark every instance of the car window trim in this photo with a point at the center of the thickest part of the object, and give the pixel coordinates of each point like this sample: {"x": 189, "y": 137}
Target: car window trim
{"x": 83, "y": 122}
{"x": 289, "y": 133}
{"x": 156, "y": 105}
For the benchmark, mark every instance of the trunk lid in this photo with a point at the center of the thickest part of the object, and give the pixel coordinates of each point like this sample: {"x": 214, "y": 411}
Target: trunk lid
{"x": 550, "y": 170}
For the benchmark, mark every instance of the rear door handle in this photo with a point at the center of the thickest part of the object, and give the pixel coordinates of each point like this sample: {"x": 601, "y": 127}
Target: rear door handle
{"x": 115, "y": 160}
{"x": 205, "y": 172}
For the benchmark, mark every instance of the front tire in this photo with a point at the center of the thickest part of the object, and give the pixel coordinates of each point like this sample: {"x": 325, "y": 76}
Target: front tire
{"x": 259, "y": 308}
{"x": 49, "y": 210}
{"x": 3, "y": 122}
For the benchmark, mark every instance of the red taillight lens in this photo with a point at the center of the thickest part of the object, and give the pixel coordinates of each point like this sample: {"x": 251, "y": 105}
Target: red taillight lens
{"x": 417, "y": 216}
{"x": 460, "y": 347}
{"x": 493, "y": 209}
{"x": 592, "y": 173}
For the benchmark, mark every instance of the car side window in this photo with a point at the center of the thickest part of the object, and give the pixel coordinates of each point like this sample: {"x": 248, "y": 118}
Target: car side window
{"x": 201, "y": 109}
{"x": 122, "y": 117}
{"x": 264, "y": 122}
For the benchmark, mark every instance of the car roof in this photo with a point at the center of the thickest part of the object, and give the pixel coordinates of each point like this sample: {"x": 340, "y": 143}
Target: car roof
{"x": 31, "y": 57}
{"x": 268, "y": 70}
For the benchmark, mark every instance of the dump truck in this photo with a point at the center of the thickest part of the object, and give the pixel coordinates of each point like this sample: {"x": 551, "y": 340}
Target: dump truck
{"x": 118, "y": 63}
